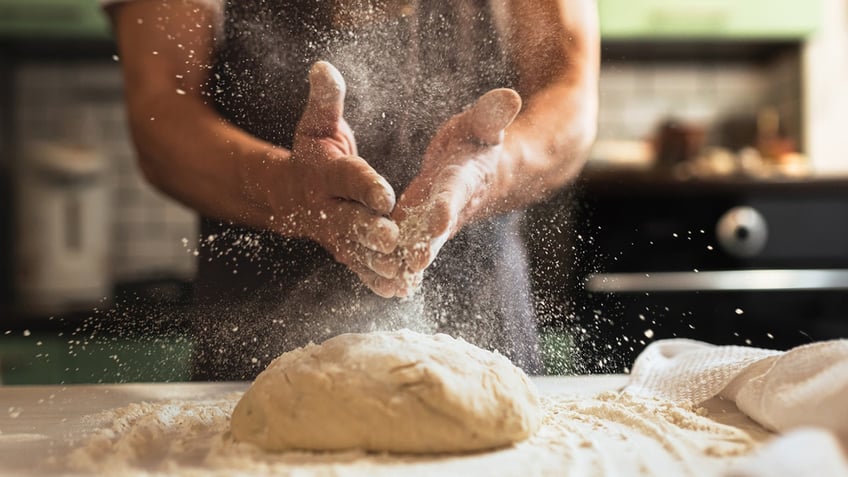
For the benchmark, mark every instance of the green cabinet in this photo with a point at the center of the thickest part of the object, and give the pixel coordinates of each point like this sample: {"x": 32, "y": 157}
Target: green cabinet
{"x": 709, "y": 19}
{"x": 45, "y": 358}
{"x": 620, "y": 19}
{"x": 53, "y": 19}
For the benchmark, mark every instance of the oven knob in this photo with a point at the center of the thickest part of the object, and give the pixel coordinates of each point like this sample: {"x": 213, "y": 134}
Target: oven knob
{"x": 742, "y": 231}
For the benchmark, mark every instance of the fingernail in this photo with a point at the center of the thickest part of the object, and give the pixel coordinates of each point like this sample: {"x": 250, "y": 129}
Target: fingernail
{"x": 382, "y": 198}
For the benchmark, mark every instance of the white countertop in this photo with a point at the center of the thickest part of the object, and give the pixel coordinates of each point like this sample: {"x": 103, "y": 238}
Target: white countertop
{"x": 39, "y": 425}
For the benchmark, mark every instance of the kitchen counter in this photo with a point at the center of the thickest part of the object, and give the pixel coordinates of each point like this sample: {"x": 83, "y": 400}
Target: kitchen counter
{"x": 40, "y": 425}
{"x": 39, "y": 417}
{"x": 42, "y": 422}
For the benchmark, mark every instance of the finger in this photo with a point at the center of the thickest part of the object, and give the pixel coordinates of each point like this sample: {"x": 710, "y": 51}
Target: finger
{"x": 388, "y": 266}
{"x": 428, "y": 227}
{"x": 434, "y": 225}
{"x": 377, "y": 233}
{"x": 348, "y": 256}
{"x": 383, "y": 287}
{"x": 354, "y": 222}
{"x": 352, "y": 178}
{"x": 385, "y": 265}
{"x": 423, "y": 254}
{"x": 325, "y": 105}
{"x": 491, "y": 114}
{"x": 417, "y": 194}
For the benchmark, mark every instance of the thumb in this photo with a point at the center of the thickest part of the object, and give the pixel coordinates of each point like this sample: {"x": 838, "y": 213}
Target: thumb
{"x": 325, "y": 106}
{"x": 491, "y": 114}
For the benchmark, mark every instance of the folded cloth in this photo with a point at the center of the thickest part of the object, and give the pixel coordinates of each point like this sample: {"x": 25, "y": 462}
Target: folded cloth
{"x": 806, "y": 386}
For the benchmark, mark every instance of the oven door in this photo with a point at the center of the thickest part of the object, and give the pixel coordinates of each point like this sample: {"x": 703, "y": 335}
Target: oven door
{"x": 763, "y": 264}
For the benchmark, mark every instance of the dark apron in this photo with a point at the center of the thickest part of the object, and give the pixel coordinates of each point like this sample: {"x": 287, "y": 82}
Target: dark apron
{"x": 261, "y": 294}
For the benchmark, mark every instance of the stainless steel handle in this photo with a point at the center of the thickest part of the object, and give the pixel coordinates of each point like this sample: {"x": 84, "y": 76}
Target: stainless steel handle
{"x": 731, "y": 280}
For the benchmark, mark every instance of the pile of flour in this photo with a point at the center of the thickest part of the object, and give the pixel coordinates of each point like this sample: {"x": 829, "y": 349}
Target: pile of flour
{"x": 156, "y": 437}
{"x": 605, "y": 435}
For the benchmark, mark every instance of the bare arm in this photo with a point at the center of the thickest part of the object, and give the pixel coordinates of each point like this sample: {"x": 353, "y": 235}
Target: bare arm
{"x": 556, "y": 46}
{"x": 496, "y": 157}
{"x": 185, "y": 148}
{"x": 320, "y": 190}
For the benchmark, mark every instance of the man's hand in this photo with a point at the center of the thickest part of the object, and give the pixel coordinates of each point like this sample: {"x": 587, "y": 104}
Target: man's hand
{"x": 460, "y": 164}
{"x": 321, "y": 190}
{"x": 335, "y": 197}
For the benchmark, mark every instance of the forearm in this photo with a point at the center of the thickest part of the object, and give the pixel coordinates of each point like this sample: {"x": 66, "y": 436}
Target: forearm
{"x": 546, "y": 147}
{"x": 192, "y": 154}
{"x": 556, "y": 47}
{"x": 185, "y": 148}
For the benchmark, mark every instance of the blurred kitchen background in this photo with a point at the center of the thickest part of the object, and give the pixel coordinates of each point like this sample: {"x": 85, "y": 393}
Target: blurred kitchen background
{"x": 714, "y": 205}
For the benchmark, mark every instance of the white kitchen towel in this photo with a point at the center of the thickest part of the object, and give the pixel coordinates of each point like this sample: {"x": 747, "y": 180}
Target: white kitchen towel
{"x": 806, "y": 386}
{"x": 801, "y": 453}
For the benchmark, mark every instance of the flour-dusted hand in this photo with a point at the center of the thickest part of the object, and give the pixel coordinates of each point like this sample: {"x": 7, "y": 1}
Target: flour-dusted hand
{"x": 459, "y": 165}
{"x": 333, "y": 196}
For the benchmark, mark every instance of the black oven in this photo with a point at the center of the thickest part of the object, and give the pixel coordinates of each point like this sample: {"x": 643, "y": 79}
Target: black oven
{"x": 731, "y": 261}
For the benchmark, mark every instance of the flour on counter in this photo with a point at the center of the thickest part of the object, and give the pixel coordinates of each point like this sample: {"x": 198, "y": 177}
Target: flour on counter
{"x": 609, "y": 434}
{"x": 153, "y": 436}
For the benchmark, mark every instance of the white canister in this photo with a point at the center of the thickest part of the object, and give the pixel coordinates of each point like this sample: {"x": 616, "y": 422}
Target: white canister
{"x": 63, "y": 228}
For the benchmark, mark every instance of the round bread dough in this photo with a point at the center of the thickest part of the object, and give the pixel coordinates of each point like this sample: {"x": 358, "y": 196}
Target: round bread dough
{"x": 398, "y": 391}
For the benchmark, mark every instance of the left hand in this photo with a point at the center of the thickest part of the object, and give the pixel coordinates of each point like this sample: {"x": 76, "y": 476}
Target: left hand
{"x": 459, "y": 169}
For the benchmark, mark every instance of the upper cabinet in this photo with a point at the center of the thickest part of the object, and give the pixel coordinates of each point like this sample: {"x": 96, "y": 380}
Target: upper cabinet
{"x": 620, "y": 19}
{"x": 52, "y": 19}
{"x": 708, "y": 19}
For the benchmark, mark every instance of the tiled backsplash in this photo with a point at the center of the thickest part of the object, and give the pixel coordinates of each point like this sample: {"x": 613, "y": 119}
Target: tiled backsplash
{"x": 825, "y": 77}
{"x": 70, "y": 102}
{"x": 636, "y": 96}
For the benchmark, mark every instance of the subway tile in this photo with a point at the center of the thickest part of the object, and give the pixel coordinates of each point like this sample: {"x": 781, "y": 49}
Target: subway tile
{"x": 105, "y": 78}
{"x": 686, "y": 78}
{"x": 619, "y": 79}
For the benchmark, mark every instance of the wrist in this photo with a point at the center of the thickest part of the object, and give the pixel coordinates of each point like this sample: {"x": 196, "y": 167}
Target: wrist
{"x": 493, "y": 187}
{"x": 268, "y": 188}
{"x": 506, "y": 171}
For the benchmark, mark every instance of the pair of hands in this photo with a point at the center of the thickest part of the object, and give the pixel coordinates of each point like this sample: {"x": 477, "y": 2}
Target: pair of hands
{"x": 343, "y": 204}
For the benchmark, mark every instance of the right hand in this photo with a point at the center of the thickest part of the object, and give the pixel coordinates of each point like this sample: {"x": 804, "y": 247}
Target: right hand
{"x": 335, "y": 197}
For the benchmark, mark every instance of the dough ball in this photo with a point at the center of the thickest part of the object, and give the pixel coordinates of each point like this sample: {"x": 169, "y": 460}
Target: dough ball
{"x": 398, "y": 391}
